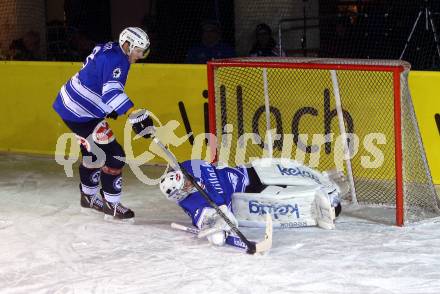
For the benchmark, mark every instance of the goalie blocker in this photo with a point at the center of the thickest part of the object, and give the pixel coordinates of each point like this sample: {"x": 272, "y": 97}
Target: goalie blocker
{"x": 295, "y": 196}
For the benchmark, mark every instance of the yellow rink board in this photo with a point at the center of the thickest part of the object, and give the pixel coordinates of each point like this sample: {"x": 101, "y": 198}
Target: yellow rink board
{"x": 29, "y": 124}
{"x": 425, "y": 91}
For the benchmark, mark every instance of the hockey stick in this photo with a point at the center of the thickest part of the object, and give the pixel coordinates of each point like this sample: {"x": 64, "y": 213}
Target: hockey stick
{"x": 230, "y": 240}
{"x": 252, "y": 247}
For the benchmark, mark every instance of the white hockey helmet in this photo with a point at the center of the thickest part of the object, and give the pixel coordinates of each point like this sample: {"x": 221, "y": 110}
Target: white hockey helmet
{"x": 136, "y": 37}
{"x": 171, "y": 185}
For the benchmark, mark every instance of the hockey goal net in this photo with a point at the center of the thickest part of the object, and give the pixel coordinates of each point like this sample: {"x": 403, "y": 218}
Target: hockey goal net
{"x": 353, "y": 115}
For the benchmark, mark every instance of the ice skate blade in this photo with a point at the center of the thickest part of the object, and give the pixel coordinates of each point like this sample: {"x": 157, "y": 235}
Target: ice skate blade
{"x": 90, "y": 211}
{"x": 112, "y": 219}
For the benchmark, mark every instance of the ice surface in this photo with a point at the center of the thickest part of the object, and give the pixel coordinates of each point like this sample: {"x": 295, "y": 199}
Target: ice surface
{"x": 48, "y": 245}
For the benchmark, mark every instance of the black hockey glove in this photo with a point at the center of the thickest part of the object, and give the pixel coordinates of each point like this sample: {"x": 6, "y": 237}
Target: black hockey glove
{"x": 140, "y": 120}
{"x": 112, "y": 115}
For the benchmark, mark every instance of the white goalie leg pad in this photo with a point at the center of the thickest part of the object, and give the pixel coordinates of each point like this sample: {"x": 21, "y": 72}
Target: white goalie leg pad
{"x": 290, "y": 207}
{"x": 324, "y": 212}
{"x": 281, "y": 171}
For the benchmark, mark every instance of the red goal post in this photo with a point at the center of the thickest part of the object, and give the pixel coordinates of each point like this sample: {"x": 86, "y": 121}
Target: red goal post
{"x": 297, "y": 98}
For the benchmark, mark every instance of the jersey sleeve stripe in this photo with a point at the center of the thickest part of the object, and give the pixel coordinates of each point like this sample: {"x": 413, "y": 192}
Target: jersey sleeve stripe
{"x": 112, "y": 98}
{"x": 83, "y": 89}
{"x": 112, "y": 85}
{"x": 101, "y": 107}
{"x": 76, "y": 79}
{"x": 122, "y": 104}
{"x": 67, "y": 107}
{"x": 118, "y": 100}
{"x": 83, "y": 101}
{"x": 73, "y": 106}
{"x": 124, "y": 107}
{"x": 96, "y": 101}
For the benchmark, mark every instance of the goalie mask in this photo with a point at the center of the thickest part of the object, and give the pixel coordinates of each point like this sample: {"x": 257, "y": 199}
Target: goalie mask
{"x": 174, "y": 186}
{"x": 136, "y": 37}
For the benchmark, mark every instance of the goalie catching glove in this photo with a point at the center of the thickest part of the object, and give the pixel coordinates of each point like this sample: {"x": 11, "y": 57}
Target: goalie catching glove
{"x": 214, "y": 227}
{"x": 141, "y": 122}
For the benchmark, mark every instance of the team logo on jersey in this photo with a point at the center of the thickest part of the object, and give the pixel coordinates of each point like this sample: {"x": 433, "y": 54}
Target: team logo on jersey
{"x": 116, "y": 73}
{"x": 95, "y": 177}
{"x": 117, "y": 184}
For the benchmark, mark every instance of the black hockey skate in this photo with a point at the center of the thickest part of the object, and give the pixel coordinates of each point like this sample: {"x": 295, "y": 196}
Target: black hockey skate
{"x": 91, "y": 201}
{"x": 117, "y": 211}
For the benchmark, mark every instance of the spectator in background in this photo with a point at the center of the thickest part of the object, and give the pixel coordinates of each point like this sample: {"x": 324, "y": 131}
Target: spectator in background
{"x": 26, "y": 48}
{"x": 211, "y": 46}
{"x": 80, "y": 46}
{"x": 17, "y": 50}
{"x": 155, "y": 55}
{"x": 57, "y": 45}
{"x": 2, "y": 55}
{"x": 265, "y": 44}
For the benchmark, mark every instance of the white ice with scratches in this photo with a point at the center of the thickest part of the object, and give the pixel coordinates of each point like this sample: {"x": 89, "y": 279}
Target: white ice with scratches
{"x": 48, "y": 245}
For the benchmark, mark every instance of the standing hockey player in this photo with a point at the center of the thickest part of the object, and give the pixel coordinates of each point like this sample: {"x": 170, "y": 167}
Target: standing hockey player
{"x": 228, "y": 186}
{"x": 93, "y": 94}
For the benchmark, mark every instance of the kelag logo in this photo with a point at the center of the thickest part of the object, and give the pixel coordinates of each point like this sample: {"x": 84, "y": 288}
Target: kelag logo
{"x": 284, "y": 171}
{"x": 239, "y": 243}
{"x": 255, "y": 207}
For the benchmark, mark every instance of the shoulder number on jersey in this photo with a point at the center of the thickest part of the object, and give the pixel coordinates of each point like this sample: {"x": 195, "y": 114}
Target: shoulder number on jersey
{"x": 108, "y": 46}
{"x": 95, "y": 51}
{"x": 92, "y": 55}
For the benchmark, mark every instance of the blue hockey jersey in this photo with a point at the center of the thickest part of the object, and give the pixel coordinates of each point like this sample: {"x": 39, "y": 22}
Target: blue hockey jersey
{"x": 98, "y": 88}
{"x": 219, "y": 182}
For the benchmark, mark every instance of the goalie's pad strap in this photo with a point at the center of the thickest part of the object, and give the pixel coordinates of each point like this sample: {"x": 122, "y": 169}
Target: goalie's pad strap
{"x": 290, "y": 207}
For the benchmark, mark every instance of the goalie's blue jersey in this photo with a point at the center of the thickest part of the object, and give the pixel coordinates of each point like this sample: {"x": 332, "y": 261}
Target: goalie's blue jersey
{"x": 98, "y": 88}
{"x": 219, "y": 182}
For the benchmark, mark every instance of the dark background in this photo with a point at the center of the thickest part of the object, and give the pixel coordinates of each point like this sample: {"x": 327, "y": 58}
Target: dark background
{"x": 375, "y": 29}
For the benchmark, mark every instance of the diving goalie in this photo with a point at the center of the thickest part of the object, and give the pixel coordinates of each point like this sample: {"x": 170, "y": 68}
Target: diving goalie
{"x": 292, "y": 193}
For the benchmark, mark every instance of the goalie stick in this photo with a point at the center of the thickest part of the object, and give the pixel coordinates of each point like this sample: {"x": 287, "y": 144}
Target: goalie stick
{"x": 252, "y": 247}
